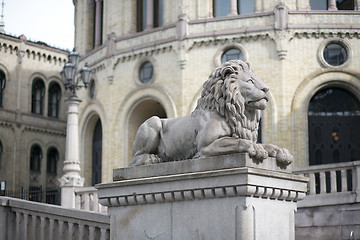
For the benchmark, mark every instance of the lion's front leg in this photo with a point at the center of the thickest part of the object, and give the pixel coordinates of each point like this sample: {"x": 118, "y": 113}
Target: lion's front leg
{"x": 282, "y": 155}
{"x": 227, "y": 145}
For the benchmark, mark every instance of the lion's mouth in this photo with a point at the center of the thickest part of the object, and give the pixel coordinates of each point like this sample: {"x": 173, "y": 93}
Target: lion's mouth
{"x": 258, "y": 100}
{"x": 258, "y": 104}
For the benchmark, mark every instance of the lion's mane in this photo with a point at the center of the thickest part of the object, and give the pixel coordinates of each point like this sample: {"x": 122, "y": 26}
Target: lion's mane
{"x": 221, "y": 94}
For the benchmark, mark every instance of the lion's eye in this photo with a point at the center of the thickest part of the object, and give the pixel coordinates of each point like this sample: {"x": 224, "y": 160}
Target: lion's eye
{"x": 250, "y": 81}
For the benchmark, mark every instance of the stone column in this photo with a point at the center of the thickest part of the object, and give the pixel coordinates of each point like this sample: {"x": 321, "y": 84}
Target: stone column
{"x": 71, "y": 178}
{"x": 332, "y": 5}
{"x": 149, "y": 14}
{"x": 98, "y": 22}
{"x": 233, "y": 8}
{"x": 258, "y": 6}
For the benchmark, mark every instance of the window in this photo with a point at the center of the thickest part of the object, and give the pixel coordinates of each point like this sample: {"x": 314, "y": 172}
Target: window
{"x": 35, "y": 158}
{"x": 334, "y": 127}
{"x": 98, "y": 23}
{"x": 245, "y": 6}
{"x": 144, "y": 14}
{"x": 1, "y": 150}
{"x": 38, "y": 90}
{"x": 97, "y": 153}
{"x": 54, "y": 100}
{"x": 345, "y": 4}
{"x": 318, "y": 4}
{"x": 146, "y": 72}
{"x": 52, "y": 160}
{"x": 2, "y": 86}
{"x": 232, "y": 54}
{"x": 92, "y": 89}
{"x": 221, "y": 8}
{"x": 335, "y": 54}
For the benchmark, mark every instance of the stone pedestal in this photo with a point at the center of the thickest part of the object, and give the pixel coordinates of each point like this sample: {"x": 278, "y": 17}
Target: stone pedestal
{"x": 224, "y": 197}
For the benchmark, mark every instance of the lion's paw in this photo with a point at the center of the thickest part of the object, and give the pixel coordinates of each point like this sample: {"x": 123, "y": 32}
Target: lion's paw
{"x": 284, "y": 156}
{"x": 153, "y": 159}
{"x": 261, "y": 153}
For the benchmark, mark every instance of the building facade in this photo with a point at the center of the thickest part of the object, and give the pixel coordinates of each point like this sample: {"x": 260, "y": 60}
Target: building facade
{"x": 32, "y": 116}
{"x": 151, "y": 57}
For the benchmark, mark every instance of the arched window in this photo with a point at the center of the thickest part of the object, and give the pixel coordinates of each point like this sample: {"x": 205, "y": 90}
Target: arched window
{"x": 2, "y": 86}
{"x": 232, "y": 54}
{"x": 97, "y": 154}
{"x": 35, "y": 158}
{"x": 334, "y": 127}
{"x": 52, "y": 160}
{"x": 37, "y": 101}
{"x": 54, "y": 100}
{"x": 149, "y": 16}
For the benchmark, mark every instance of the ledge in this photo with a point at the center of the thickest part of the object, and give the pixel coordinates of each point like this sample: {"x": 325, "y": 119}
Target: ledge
{"x": 197, "y": 165}
{"x": 197, "y": 179}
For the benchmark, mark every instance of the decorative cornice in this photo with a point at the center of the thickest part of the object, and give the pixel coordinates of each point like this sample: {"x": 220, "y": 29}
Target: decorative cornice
{"x": 326, "y": 33}
{"x": 204, "y": 193}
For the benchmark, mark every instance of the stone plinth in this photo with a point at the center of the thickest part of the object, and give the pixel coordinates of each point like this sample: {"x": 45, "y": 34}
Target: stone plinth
{"x": 225, "y": 197}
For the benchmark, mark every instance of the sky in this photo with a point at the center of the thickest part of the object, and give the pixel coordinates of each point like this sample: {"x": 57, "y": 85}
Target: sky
{"x": 49, "y": 21}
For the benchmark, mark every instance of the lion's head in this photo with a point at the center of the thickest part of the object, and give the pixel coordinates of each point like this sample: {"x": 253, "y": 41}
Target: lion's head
{"x": 236, "y": 94}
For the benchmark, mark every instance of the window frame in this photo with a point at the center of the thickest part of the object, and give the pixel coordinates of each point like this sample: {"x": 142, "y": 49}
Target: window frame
{"x": 2, "y": 86}
{"x": 339, "y": 41}
{"x": 55, "y": 105}
{"x": 37, "y": 83}
{"x": 35, "y": 167}
{"x": 54, "y": 161}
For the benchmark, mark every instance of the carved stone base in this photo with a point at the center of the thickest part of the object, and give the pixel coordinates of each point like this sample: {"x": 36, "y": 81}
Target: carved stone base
{"x": 238, "y": 200}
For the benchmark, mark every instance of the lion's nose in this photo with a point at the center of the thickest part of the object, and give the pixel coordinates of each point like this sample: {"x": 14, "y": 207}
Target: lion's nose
{"x": 265, "y": 89}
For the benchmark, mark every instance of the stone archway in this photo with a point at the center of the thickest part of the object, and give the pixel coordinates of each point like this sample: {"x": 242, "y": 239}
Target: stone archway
{"x": 140, "y": 113}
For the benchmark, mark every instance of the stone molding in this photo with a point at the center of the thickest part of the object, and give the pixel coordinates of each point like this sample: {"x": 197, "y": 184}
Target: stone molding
{"x": 206, "y": 183}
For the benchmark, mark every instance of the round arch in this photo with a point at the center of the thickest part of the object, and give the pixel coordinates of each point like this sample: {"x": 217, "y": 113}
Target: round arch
{"x": 88, "y": 120}
{"x": 155, "y": 94}
{"x": 299, "y": 108}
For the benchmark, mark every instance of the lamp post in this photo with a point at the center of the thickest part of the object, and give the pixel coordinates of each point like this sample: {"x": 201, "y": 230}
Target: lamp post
{"x": 71, "y": 178}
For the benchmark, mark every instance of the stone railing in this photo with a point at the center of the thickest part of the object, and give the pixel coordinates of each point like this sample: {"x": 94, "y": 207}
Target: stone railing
{"x": 330, "y": 184}
{"x": 86, "y": 198}
{"x": 20, "y": 219}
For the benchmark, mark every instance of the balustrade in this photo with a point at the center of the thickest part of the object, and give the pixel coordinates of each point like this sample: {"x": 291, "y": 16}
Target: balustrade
{"x": 86, "y": 198}
{"x": 22, "y": 219}
{"x": 340, "y": 179}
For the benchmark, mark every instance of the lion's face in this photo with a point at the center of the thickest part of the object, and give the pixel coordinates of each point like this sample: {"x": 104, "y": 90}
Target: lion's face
{"x": 253, "y": 90}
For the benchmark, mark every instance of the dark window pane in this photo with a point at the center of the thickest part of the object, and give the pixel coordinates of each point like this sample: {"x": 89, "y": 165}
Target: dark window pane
{"x": 35, "y": 158}
{"x": 245, "y": 6}
{"x": 345, "y": 4}
{"x": 318, "y": 4}
{"x": 2, "y": 86}
{"x": 52, "y": 159}
{"x": 334, "y": 124}
{"x": 158, "y": 13}
{"x": 146, "y": 72}
{"x": 38, "y": 90}
{"x": 92, "y": 89}
{"x": 221, "y": 8}
{"x": 54, "y": 100}
{"x": 335, "y": 54}
{"x": 232, "y": 54}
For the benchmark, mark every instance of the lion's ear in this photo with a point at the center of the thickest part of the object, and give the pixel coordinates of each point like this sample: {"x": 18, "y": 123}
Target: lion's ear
{"x": 226, "y": 71}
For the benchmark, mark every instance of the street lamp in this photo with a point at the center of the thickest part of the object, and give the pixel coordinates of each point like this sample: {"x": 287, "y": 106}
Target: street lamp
{"x": 68, "y": 74}
{"x": 71, "y": 178}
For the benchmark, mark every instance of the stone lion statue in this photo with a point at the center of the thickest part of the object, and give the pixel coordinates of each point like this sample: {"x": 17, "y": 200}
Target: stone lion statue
{"x": 225, "y": 121}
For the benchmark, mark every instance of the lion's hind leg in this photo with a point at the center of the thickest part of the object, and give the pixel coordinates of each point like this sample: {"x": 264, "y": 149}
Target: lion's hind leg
{"x": 146, "y": 142}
